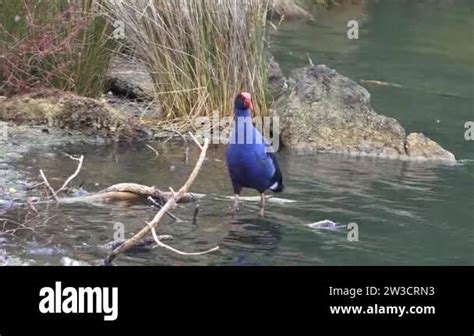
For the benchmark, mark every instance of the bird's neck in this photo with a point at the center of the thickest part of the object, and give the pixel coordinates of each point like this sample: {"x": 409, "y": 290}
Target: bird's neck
{"x": 242, "y": 113}
{"x": 244, "y": 131}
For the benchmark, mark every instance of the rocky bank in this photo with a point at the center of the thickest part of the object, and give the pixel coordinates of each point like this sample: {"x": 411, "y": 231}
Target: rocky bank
{"x": 319, "y": 109}
{"x": 322, "y": 111}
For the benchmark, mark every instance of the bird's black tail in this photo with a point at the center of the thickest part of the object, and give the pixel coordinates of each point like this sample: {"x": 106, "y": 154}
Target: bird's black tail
{"x": 277, "y": 179}
{"x": 280, "y": 188}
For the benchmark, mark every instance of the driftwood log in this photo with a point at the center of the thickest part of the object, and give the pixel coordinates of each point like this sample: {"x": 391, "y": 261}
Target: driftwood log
{"x": 128, "y": 192}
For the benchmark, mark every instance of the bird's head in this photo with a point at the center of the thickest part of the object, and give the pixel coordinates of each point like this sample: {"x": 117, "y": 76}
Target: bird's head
{"x": 243, "y": 102}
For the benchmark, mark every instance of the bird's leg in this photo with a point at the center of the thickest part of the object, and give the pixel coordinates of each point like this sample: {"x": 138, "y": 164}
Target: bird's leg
{"x": 262, "y": 205}
{"x": 235, "y": 205}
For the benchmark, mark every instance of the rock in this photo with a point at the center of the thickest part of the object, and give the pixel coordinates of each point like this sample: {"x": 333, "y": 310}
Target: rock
{"x": 68, "y": 111}
{"x": 277, "y": 82}
{"x": 66, "y": 261}
{"x": 130, "y": 79}
{"x": 324, "y": 111}
{"x": 420, "y": 147}
{"x": 288, "y": 9}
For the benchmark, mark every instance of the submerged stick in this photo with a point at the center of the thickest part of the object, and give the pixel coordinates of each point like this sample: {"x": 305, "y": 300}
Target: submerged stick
{"x": 152, "y": 200}
{"x": 269, "y": 199}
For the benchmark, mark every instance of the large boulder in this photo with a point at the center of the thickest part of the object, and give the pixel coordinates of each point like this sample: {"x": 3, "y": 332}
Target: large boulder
{"x": 326, "y": 112}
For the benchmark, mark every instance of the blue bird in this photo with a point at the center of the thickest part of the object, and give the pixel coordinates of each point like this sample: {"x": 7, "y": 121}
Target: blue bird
{"x": 250, "y": 158}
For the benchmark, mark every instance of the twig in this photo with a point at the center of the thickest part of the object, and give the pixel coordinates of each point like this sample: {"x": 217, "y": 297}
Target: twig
{"x": 154, "y": 150}
{"x": 195, "y": 141}
{"x": 31, "y": 206}
{"x": 161, "y": 244}
{"x": 310, "y": 61}
{"x": 196, "y": 212}
{"x": 34, "y": 186}
{"x": 152, "y": 200}
{"x": 73, "y": 176}
{"x": 185, "y": 141}
{"x": 49, "y": 186}
{"x": 186, "y": 146}
{"x": 171, "y": 202}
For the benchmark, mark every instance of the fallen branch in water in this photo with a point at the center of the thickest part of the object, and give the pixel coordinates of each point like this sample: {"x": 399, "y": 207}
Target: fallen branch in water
{"x": 161, "y": 244}
{"x": 151, "y": 226}
{"x": 125, "y": 192}
{"x": 150, "y": 191}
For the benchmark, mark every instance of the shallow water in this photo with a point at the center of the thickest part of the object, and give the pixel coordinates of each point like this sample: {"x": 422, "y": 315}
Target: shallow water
{"x": 408, "y": 213}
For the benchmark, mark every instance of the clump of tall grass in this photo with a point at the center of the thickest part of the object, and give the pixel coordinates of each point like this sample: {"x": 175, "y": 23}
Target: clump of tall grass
{"x": 63, "y": 44}
{"x": 200, "y": 53}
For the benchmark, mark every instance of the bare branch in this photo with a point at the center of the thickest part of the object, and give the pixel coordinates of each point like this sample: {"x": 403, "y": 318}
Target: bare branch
{"x": 195, "y": 140}
{"x": 73, "y": 176}
{"x": 161, "y": 244}
{"x": 34, "y": 186}
{"x": 154, "y": 150}
{"x": 49, "y": 186}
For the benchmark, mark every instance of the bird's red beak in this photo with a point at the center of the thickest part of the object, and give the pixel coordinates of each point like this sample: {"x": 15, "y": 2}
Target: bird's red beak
{"x": 249, "y": 105}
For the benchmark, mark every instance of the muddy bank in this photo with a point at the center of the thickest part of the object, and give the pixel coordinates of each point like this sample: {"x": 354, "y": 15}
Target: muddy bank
{"x": 64, "y": 110}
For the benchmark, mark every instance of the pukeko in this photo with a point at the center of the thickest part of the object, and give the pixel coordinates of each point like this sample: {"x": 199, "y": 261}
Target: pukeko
{"x": 250, "y": 158}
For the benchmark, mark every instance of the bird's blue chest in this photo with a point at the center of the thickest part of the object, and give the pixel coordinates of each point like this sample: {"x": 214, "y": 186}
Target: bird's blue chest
{"x": 247, "y": 160}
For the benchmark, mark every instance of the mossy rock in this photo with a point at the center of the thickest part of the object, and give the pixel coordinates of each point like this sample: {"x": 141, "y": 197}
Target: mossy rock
{"x": 68, "y": 111}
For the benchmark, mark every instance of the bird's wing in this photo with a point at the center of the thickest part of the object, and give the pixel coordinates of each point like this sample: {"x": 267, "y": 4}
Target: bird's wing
{"x": 269, "y": 162}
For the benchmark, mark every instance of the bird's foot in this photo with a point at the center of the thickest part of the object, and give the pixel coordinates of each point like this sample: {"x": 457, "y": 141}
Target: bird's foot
{"x": 262, "y": 206}
{"x": 235, "y": 205}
